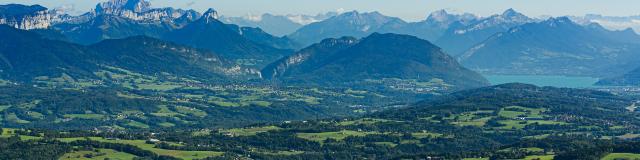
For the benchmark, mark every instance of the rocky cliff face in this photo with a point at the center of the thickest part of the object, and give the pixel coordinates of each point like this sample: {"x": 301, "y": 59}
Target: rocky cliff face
{"x": 28, "y": 17}
{"x": 38, "y": 17}
{"x": 140, "y": 10}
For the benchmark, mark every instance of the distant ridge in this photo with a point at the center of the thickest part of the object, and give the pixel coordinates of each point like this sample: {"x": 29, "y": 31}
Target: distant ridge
{"x": 334, "y": 61}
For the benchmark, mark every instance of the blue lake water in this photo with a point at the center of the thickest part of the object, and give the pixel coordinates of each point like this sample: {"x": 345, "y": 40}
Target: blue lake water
{"x": 540, "y": 80}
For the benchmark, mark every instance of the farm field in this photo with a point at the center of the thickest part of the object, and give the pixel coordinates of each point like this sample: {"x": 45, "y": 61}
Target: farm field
{"x": 97, "y": 154}
{"x": 621, "y": 156}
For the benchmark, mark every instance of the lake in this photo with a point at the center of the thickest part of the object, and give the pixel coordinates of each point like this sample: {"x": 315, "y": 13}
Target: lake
{"x": 542, "y": 80}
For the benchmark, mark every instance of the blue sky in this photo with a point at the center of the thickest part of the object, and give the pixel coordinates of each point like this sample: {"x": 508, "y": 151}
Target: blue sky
{"x": 407, "y": 9}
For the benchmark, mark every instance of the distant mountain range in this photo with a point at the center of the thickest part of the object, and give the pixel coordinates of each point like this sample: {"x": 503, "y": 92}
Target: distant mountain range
{"x": 378, "y": 56}
{"x": 610, "y": 22}
{"x": 278, "y": 25}
{"x": 352, "y": 23}
{"x": 524, "y": 45}
{"x": 460, "y": 38}
{"x": 556, "y": 46}
{"x": 119, "y": 19}
{"x": 453, "y": 32}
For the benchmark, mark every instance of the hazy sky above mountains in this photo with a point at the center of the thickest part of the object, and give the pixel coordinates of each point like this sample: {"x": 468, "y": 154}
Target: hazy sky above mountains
{"x": 411, "y": 10}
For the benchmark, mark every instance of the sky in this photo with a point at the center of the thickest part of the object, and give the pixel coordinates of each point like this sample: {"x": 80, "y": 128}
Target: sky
{"x": 411, "y": 10}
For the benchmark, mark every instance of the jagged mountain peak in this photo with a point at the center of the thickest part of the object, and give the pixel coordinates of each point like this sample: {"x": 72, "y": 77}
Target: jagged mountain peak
{"x": 561, "y": 21}
{"x": 510, "y": 11}
{"x": 512, "y": 14}
{"x": 444, "y": 16}
{"x": 210, "y": 14}
{"x": 131, "y": 5}
{"x": 439, "y": 15}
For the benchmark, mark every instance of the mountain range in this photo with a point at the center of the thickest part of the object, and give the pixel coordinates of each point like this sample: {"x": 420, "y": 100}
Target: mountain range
{"x": 535, "y": 46}
{"x": 29, "y": 17}
{"x": 119, "y": 19}
{"x": 278, "y": 25}
{"x": 378, "y": 56}
{"x": 352, "y": 23}
{"x": 209, "y": 33}
{"x": 26, "y": 55}
{"x": 453, "y": 32}
{"x": 610, "y": 22}
{"x": 458, "y": 39}
{"x": 556, "y": 46}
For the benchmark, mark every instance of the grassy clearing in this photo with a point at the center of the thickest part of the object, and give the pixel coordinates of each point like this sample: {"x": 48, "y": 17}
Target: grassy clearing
{"x": 618, "y": 156}
{"x": 250, "y": 131}
{"x": 629, "y": 136}
{"x": 520, "y": 124}
{"x": 224, "y": 103}
{"x": 365, "y": 121}
{"x": 85, "y": 116}
{"x": 340, "y": 135}
{"x": 7, "y": 132}
{"x": 421, "y": 135}
{"x": 137, "y": 124}
{"x": 533, "y": 149}
{"x": 475, "y": 118}
{"x": 166, "y": 124}
{"x": 36, "y": 115}
{"x": 165, "y": 112}
{"x": 97, "y": 154}
{"x": 517, "y": 111}
{"x": 158, "y": 87}
{"x": 543, "y": 157}
{"x": 12, "y": 117}
{"x": 151, "y": 147}
{"x": 473, "y": 122}
{"x": 190, "y": 111}
{"x": 4, "y": 107}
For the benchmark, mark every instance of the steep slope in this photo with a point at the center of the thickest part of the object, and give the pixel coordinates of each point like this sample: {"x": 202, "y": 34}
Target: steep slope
{"x": 307, "y": 58}
{"x": 556, "y": 46}
{"x": 631, "y": 78}
{"x": 458, "y": 39}
{"x": 150, "y": 56}
{"x": 353, "y": 24}
{"x": 209, "y": 33}
{"x": 116, "y": 19}
{"x": 340, "y": 61}
{"x": 259, "y": 36}
{"x": 111, "y": 27}
{"x": 25, "y": 55}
